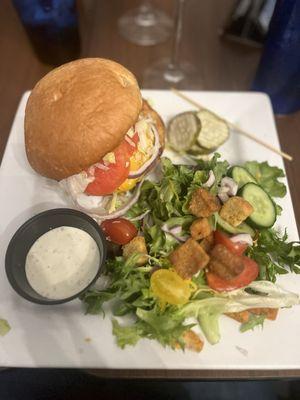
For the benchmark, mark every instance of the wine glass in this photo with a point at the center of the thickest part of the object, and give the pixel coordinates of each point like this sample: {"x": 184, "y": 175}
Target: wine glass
{"x": 169, "y": 71}
{"x": 145, "y": 25}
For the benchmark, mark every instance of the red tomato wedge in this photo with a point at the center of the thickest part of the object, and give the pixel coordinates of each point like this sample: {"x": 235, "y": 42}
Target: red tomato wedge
{"x": 107, "y": 181}
{"x": 119, "y": 230}
{"x": 236, "y": 248}
{"x": 249, "y": 273}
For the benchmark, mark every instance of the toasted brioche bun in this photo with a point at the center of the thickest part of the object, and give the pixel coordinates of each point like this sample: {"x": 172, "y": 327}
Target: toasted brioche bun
{"x": 78, "y": 113}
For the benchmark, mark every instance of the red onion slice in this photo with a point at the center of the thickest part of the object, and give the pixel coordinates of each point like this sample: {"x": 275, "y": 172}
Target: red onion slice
{"x": 242, "y": 238}
{"x": 175, "y": 232}
{"x": 211, "y": 179}
{"x": 148, "y": 164}
{"x": 230, "y": 184}
{"x": 139, "y": 217}
{"x": 223, "y": 194}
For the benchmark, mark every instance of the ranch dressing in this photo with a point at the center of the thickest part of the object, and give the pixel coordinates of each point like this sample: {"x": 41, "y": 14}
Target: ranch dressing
{"x": 62, "y": 262}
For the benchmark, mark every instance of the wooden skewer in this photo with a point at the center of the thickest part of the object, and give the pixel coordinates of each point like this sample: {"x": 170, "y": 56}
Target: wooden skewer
{"x": 234, "y": 126}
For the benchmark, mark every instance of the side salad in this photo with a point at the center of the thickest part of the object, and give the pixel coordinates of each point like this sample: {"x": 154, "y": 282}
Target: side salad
{"x": 199, "y": 243}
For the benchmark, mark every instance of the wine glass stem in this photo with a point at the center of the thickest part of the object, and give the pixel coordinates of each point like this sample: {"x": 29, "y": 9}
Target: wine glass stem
{"x": 177, "y": 33}
{"x": 146, "y": 6}
{"x": 146, "y": 16}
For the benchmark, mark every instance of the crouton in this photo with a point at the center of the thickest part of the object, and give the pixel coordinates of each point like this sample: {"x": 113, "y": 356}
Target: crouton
{"x": 270, "y": 313}
{"x": 224, "y": 263}
{"x": 203, "y": 204}
{"x": 242, "y": 316}
{"x": 192, "y": 341}
{"x": 136, "y": 245}
{"x": 208, "y": 243}
{"x": 236, "y": 210}
{"x": 200, "y": 228}
{"x": 189, "y": 258}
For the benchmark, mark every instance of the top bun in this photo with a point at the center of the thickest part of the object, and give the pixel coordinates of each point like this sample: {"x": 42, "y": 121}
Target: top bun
{"x": 77, "y": 113}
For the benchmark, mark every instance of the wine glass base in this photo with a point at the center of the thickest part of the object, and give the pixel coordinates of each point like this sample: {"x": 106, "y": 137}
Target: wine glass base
{"x": 163, "y": 74}
{"x": 145, "y": 28}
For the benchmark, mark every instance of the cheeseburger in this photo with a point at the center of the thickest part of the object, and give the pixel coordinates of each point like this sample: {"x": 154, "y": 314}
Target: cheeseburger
{"x": 87, "y": 126}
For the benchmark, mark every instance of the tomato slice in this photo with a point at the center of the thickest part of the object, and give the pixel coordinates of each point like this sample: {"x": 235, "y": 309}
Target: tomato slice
{"x": 107, "y": 181}
{"x": 249, "y": 273}
{"x": 119, "y": 230}
{"x": 236, "y": 248}
{"x": 130, "y": 145}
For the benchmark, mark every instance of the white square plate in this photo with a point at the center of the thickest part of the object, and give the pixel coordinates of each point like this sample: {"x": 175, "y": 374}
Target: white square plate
{"x": 62, "y": 336}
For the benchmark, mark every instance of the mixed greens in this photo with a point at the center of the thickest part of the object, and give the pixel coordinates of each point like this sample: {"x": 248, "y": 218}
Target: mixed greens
{"x": 163, "y": 206}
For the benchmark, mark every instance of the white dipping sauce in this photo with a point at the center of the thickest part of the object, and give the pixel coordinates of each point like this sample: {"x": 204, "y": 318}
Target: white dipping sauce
{"x": 62, "y": 262}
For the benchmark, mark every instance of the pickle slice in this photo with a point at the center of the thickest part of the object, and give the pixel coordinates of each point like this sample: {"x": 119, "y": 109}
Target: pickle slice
{"x": 182, "y": 131}
{"x": 214, "y": 130}
{"x": 197, "y": 150}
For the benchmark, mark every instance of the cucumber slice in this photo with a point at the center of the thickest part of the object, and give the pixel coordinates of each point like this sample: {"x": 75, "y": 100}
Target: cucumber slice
{"x": 214, "y": 130}
{"x": 241, "y": 176}
{"x": 242, "y": 228}
{"x": 264, "y": 214}
{"x": 182, "y": 131}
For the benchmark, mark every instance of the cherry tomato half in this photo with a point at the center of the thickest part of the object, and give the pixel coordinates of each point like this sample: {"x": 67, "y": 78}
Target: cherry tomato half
{"x": 119, "y": 230}
{"x": 249, "y": 273}
{"x": 236, "y": 248}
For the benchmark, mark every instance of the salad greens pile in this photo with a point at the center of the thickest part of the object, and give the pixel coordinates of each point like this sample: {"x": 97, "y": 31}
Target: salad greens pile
{"x": 168, "y": 201}
{"x": 163, "y": 205}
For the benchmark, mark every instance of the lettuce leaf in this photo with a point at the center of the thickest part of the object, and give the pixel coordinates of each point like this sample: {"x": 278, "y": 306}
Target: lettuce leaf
{"x": 165, "y": 326}
{"x": 129, "y": 286}
{"x": 127, "y": 335}
{"x": 254, "y": 320}
{"x": 261, "y": 294}
{"x": 267, "y": 177}
{"x": 275, "y": 255}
